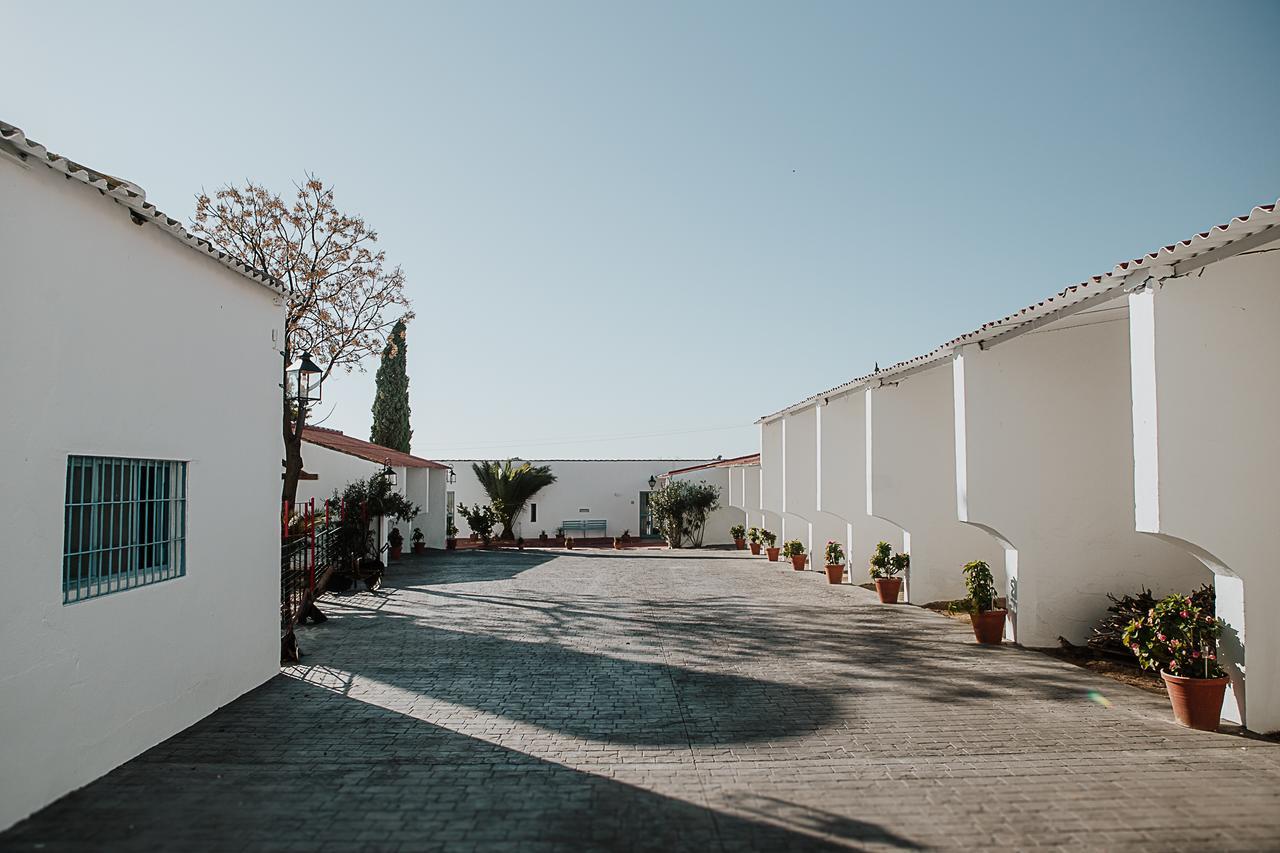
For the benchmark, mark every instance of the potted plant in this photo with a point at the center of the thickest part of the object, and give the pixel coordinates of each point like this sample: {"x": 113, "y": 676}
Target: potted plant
{"x": 395, "y": 542}
{"x": 451, "y": 536}
{"x": 884, "y": 570}
{"x": 794, "y": 549}
{"x": 753, "y": 536}
{"x": 988, "y": 622}
{"x": 419, "y": 541}
{"x": 519, "y": 543}
{"x": 568, "y": 542}
{"x": 1179, "y": 637}
{"x": 770, "y": 541}
{"x": 739, "y": 534}
{"x": 542, "y": 537}
{"x": 617, "y": 543}
{"x": 626, "y": 536}
{"x": 835, "y": 562}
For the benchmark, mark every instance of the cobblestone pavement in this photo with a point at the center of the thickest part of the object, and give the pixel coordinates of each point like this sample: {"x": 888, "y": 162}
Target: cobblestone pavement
{"x": 593, "y": 700}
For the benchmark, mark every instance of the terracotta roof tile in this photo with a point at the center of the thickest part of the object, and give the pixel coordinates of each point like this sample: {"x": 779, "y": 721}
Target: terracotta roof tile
{"x": 337, "y": 440}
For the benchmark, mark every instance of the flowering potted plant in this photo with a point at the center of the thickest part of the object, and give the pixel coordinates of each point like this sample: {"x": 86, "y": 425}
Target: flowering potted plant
{"x": 451, "y": 536}
{"x": 568, "y": 542}
{"x": 1179, "y": 637}
{"x": 884, "y": 570}
{"x": 835, "y": 562}
{"x": 617, "y": 543}
{"x": 770, "y": 540}
{"x": 794, "y": 549}
{"x": 419, "y": 541}
{"x": 988, "y": 622}
{"x": 754, "y": 537}
{"x": 739, "y": 534}
{"x": 395, "y": 543}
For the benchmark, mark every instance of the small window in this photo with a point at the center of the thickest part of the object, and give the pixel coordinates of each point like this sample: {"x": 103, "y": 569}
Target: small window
{"x": 533, "y": 513}
{"x": 125, "y": 525}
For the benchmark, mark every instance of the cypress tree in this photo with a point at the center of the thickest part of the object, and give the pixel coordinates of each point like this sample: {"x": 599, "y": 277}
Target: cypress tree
{"x": 391, "y": 399}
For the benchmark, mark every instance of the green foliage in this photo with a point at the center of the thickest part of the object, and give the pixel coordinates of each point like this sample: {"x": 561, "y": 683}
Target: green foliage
{"x": 981, "y": 586}
{"x": 395, "y": 538}
{"x": 738, "y": 531}
{"x": 481, "y": 520}
{"x": 834, "y": 553}
{"x": 418, "y": 535}
{"x": 793, "y": 548}
{"x": 769, "y": 538}
{"x": 886, "y": 564}
{"x": 1180, "y": 636}
{"x": 510, "y": 487}
{"x": 451, "y": 531}
{"x": 680, "y": 509}
{"x": 753, "y": 535}
{"x": 391, "y": 399}
{"x": 350, "y": 538}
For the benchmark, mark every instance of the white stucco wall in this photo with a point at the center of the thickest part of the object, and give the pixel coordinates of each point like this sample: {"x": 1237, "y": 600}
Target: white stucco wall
{"x": 608, "y": 489}
{"x": 745, "y": 493}
{"x": 772, "y": 477}
{"x": 1044, "y": 460}
{"x": 118, "y": 340}
{"x": 1206, "y": 405}
{"x": 842, "y": 445}
{"x": 912, "y": 483}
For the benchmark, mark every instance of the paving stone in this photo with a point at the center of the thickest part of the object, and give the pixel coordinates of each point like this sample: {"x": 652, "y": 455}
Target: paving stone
{"x": 643, "y": 701}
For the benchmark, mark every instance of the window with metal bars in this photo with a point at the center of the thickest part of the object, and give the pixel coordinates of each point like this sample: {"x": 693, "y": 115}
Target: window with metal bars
{"x": 125, "y": 524}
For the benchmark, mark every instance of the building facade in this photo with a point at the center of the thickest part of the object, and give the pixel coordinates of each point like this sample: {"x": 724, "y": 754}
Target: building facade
{"x": 141, "y": 372}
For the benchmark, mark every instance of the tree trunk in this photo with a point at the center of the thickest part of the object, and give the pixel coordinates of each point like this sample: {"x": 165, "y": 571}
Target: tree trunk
{"x": 292, "y": 454}
{"x": 507, "y": 532}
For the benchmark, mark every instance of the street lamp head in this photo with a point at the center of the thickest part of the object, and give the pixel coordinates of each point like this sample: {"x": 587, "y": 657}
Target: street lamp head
{"x": 653, "y": 482}
{"x": 390, "y": 474}
{"x": 304, "y": 378}
{"x": 453, "y": 475}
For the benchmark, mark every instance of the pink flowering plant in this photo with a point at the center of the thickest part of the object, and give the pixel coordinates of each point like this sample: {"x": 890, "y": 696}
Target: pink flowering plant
{"x": 1178, "y": 636}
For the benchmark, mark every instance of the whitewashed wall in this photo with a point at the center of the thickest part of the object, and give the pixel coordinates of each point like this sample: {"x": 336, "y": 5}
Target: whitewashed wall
{"x": 799, "y": 476}
{"x": 842, "y": 445}
{"x": 745, "y": 493}
{"x": 335, "y": 470}
{"x": 772, "y": 476}
{"x": 608, "y": 489}
{"x": 118, "y": 340}
{"x": 1206, "y": 410}
{"x": 1044, "y": 461}
{"x": 912, "y": 476}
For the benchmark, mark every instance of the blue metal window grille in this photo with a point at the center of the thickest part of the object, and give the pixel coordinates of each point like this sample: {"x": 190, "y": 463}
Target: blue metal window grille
{"x": 125, "y": 525}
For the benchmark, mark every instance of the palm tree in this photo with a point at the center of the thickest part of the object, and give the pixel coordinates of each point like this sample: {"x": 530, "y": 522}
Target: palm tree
{"x": 510, "y": 487}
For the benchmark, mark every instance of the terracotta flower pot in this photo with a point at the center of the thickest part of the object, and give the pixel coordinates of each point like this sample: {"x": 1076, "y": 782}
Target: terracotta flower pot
{"x": 835, "y": 573}
{"x": 740, "y": 544}
{"x": 617, "y": 544}
{"x": 568, "y": 544}
{"x": 798, "y": 562}
{"x": 755, "y": 548}
{"x": 988, "y": 626}
{"x": 1197, "y": 702}
{"x": 772, "y": 553}
{"x": 887, "y": 589}
{"x": 419, "y": 547}
{"x": 396, "y": 551}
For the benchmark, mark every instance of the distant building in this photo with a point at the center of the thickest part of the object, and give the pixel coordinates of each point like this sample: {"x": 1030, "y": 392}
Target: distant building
{"x": 331, "y": 460}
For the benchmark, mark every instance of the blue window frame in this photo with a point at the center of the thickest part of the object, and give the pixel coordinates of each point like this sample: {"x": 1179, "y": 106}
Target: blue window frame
{"x": 125, "y": 525}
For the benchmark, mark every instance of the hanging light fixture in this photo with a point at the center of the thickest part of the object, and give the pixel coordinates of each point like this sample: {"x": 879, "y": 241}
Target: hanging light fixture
{"x": 390, "y": 474}
{"x": 303, "y": 380}
{"x": 653, "y": 482}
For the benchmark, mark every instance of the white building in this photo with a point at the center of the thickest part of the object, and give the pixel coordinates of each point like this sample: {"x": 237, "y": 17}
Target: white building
{"x": 141, "y": 373}
{"x": 1117, "y": 435}
{"x": 615, "y": 491}
{"x": 331, "y": 460}
{"x": 719, "y": 474}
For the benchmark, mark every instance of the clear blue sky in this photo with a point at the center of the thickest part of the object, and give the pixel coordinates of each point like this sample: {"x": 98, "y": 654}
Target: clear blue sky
{"x": 628, "y": 219}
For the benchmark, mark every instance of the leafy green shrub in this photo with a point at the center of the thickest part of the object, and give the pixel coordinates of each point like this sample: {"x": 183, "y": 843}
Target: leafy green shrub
{"x": 834, "y": 553}
{"x": 981, "y": 586}
{"x": 1177, "y": 636}
{"x": 680, "y": 509}
{"x": 793, "y": 548}
{"x": 737, "y": 531}
{"x": 769, "y": 538}
{"x": 481, "y": 520}
{"x": 886, "y": 564}
{"x": 753, "y": 535}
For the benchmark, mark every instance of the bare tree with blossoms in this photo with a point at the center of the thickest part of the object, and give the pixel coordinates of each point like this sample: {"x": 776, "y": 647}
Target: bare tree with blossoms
{"x": 342, "y": 302}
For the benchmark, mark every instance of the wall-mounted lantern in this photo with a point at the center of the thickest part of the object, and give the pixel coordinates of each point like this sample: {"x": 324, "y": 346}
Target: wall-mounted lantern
{"x": 453, "y": 475}
{"x": 303, "y": 379}
{"x": 390, "y": 474}
{"x": 653, "y": 482}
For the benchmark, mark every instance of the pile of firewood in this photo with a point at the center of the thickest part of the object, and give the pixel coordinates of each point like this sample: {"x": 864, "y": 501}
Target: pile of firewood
{"x": 1108, "y": 635}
